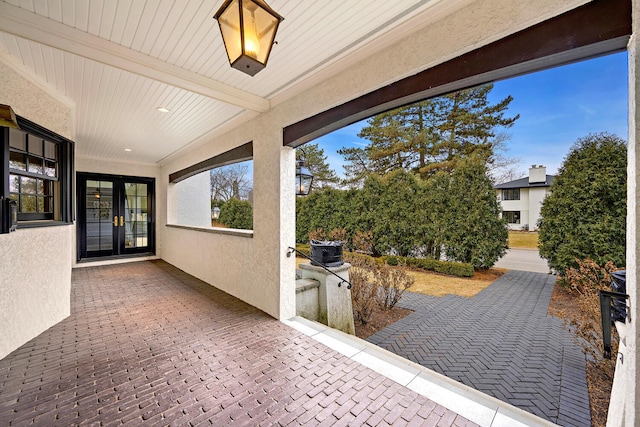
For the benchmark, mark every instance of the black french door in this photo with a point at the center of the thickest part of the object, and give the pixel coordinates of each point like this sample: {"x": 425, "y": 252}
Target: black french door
{"x": 115, "y": 215}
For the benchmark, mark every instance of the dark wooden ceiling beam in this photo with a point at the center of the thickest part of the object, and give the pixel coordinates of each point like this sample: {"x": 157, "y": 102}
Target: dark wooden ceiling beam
{"x": 596, "y": 28}
{"x": 235, "y": 155}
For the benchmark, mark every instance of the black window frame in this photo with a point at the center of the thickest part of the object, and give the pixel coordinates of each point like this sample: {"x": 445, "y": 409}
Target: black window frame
{"x": 511, "y": 194}
{"x": 514, "y": 216}
{"x": 62, "y": 200}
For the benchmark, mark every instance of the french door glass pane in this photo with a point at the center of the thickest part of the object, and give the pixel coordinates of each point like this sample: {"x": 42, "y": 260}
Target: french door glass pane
{"x": 99, "y": 215}
{"x": 135, "y": 218}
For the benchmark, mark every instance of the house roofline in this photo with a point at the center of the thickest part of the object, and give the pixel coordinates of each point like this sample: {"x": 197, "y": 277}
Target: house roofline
{"x": 524, "y": 183}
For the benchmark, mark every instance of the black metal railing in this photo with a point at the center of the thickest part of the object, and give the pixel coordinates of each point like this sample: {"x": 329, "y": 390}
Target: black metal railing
{"x": 319, "y": 264}
{"x": 605, "y": 314}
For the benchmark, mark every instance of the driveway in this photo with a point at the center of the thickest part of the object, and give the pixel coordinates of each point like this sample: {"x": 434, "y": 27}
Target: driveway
{"x": 501, "y": 342}
{"x": 523, "y": 259}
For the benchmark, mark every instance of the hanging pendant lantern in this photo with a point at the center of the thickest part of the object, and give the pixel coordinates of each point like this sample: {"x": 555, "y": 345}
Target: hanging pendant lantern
{"x": 248, "y": 30}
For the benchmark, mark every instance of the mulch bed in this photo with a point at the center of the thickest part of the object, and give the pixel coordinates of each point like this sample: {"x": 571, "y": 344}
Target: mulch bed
{"x": 380, "y": 319}
{"x": 562, "y": 305}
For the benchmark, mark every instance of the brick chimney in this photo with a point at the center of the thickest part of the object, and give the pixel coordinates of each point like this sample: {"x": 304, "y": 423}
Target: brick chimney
{"x": 537, "y": 174}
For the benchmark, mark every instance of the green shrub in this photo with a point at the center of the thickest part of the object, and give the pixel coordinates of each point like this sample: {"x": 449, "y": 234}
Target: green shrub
{"x": 584, "y": 215}
{"x": 444, "y": 267}
{"x": 392, "y": 260}
{"x": 457, "y": 269}
{"x": 236, "y": 213}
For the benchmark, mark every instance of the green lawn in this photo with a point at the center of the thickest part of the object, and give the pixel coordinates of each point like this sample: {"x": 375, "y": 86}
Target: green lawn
{"x": 523, "y": 240}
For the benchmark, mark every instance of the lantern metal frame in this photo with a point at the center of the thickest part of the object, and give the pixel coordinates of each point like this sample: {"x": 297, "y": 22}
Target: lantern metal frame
{"x": 215, "y": 213}
{"x": 247, "y": 61}
{"x": 304, "y": 177}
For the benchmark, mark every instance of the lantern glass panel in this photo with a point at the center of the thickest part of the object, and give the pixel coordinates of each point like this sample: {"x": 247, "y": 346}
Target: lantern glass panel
{"x": 306, "y": 184}
{"x": 260, "y": 30}
{"x": 303, "y": 184}
{"x": 230, "y": 28}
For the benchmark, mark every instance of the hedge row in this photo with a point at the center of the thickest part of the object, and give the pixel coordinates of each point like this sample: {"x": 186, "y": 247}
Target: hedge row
{"x": 445, "y": 267}
{"x": 459, "y": 269}
{"x": 455, "y": 214}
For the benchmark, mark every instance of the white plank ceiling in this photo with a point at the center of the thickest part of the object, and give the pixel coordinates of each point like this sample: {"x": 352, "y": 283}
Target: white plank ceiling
{"x": 118, "y": 60}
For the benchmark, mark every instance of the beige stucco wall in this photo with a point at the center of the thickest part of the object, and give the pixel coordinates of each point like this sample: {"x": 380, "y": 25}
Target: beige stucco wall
{"x": 35, "y": 284}
{"x": 536, "y": 197}
{"x": 521, "y": 206}
{"x": 88, "y": 164}
{"x": 246, "y": 267}
{"x": 193, "y": 200}
{"x": 32, "y": 102}
{"x": 35, "y": 266}
{"x": 267, "y": 277}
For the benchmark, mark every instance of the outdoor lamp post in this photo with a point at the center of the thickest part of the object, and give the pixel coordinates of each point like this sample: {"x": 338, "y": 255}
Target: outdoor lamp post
{"x": 303, "y": 178}
{"x": 248, "y": 30}
{"x": 215, "y": 213}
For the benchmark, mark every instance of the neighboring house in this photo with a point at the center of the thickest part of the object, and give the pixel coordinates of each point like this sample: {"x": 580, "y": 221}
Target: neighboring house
{"x": 522, "y": 198}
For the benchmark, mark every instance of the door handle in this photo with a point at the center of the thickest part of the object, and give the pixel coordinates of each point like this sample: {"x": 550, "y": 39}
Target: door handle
{"x": 115, "y": 221}
{"x": 121, "y": 221}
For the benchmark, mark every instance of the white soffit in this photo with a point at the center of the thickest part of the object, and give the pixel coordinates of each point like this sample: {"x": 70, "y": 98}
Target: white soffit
{"x": 119, "y": 60}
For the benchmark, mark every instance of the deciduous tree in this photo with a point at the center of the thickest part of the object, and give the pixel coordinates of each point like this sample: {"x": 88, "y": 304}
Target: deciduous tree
{"x": 230, "y": 181}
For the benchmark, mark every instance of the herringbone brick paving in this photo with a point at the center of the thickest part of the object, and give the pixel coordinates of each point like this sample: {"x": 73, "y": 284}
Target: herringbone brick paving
{"x": 501, "y": 342}
{"x": 147, "y": 344}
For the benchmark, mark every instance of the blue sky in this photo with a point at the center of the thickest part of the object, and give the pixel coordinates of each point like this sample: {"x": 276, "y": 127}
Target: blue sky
{"x": 556, "y": 107}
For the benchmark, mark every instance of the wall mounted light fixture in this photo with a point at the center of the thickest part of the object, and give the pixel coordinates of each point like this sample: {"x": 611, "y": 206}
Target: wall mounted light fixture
{"x": 248, "y": 30}
{"x": 215, "y": 213}
{"x": 304, "y": 178}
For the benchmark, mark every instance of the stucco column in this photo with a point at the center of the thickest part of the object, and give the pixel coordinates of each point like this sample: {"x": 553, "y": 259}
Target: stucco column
{"x": 631, "y": 361}
{"x": 287, "y": 232}
{"x": 623, "y": 408}
{"x": 274, "y": 218}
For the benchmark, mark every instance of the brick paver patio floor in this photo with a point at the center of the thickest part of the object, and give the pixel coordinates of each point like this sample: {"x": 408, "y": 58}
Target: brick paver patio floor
{"x": 501, "y": 342}
{"x": 147, "y": 344}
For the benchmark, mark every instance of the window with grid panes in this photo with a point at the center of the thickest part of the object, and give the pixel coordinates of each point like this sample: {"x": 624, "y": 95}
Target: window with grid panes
{"x": 513, "y": 217}
{"x": 33, "y": 175}
{"x": 511, "y": 194}
{"x": 38, "y": 164}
